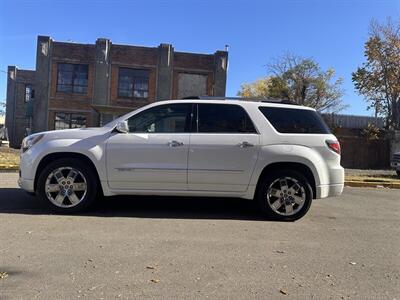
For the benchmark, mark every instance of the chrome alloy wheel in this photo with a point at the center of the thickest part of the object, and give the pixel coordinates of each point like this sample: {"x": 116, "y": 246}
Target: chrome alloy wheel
{"x": 286, "y": 196}
{"x": 66, "y": 187}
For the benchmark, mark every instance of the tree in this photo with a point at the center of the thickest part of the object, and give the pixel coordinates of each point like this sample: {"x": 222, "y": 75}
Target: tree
{"x": 301, "y": 80}
{"x": 378, "y": 79}
{"x": 2, "y": 108}
{"x": 256, "y": 89}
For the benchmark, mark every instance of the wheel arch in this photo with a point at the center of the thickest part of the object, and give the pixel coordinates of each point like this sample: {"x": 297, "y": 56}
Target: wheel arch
{"x": 294, "y": 166}
{"x": 57, "y": 155}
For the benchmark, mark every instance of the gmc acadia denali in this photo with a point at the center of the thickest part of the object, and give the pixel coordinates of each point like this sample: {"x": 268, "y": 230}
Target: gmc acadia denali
{"x": 281, "y": 155}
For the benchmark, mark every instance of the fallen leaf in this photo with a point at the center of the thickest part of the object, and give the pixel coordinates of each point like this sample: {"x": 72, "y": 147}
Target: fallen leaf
{"x": 155, "y": 280}
{"x": 280, "y": 251}
{"x": 150, "y": 267}
{"x": 352, "y": 263}
{"x": 3, "y": 275}
{"x": 283, "y": 292}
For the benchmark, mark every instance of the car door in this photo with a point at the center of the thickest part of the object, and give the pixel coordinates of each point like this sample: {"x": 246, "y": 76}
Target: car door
{"x": 223, "y": 151}
{"x": 153, "y": 155}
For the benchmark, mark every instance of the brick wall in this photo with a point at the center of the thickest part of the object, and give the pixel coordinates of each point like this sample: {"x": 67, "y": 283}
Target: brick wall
{"x": 20, "y": 121}
{"x": 104, "y": 60}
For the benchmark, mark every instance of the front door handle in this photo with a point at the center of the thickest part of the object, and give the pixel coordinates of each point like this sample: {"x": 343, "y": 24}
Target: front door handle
{"x": 174, "y": 144}
{"x": 245, "y": 144}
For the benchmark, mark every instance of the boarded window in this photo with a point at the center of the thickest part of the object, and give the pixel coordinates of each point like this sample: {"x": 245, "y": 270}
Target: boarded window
{"x": 191, "y": 85}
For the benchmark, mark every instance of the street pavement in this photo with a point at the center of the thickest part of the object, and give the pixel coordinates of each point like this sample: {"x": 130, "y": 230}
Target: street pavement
{"x": 174, "y": 248}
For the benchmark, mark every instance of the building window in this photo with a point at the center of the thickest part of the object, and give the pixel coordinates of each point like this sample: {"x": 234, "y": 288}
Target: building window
{"x": 69, "y": 120}
{"x": 133, "y": 83}
{"x": 72, "y": 78}
{"x": 29, "y": 93}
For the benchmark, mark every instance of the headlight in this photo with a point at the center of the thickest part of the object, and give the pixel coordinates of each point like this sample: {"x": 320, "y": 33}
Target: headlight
{"x": 29, "y": 141}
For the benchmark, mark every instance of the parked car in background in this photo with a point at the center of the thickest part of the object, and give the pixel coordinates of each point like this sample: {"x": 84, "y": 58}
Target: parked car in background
{"x": 395, "y": 163}
{"x": 281, "y": 155}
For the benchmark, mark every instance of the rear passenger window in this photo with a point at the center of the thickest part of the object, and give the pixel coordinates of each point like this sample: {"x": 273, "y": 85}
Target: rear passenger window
{"x": 288, "y": 120}
{"x": 223, "y": 118}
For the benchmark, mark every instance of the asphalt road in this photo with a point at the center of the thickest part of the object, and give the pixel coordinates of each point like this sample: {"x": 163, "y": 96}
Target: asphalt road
{"x": 153, "y": 247}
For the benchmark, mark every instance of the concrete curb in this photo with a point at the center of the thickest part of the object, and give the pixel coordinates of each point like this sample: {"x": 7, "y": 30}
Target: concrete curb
{"x": 391, "y": 185}
{"x": 5, "y": 170}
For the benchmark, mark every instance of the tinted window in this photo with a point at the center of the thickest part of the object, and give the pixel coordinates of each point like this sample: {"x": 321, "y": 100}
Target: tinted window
{"x": 223, "y": 118}
{"x": 288, "y": 120}
{"x": 162, "y": 119}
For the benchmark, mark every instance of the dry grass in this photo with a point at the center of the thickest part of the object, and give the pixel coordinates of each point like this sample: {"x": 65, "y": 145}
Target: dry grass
{"x": 374, "y": 178}
{"x": 9, "y": 159}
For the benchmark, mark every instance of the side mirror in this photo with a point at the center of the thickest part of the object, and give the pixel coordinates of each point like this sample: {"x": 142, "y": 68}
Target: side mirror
{"x": 122, "y": 127}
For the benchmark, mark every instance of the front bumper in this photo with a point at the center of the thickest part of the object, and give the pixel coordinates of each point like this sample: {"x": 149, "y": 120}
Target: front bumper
{"x": 26, "y": 184}
{"x": 395, "y": 165}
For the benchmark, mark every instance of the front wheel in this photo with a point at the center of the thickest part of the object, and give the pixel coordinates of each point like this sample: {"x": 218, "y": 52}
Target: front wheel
{"x": 67, "y": 186}
{"x": 284, "y": 195}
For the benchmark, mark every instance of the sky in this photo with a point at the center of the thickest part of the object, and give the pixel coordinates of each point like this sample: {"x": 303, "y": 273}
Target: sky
{"x": 332, "y": 32}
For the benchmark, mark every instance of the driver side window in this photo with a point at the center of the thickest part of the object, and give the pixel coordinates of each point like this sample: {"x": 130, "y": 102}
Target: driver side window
{"x": 169, "y": 118}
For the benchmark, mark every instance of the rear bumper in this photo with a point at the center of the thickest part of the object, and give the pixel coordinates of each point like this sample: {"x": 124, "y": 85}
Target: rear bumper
{"x": 329, "y": 190}
{"x": 335, "y": 186}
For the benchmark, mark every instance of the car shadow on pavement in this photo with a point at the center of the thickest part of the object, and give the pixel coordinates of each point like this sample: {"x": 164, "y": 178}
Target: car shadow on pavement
{"x": 17, "y": 201}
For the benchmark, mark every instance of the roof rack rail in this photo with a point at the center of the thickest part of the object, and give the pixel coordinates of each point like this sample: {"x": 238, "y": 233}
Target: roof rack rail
{"x": 264, "y": 100}
{"x": 280, "y": 101}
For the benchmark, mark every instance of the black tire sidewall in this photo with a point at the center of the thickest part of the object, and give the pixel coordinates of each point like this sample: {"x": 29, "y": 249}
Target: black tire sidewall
{"x": 91, "y": 182}
{"x": 262, "y": 190}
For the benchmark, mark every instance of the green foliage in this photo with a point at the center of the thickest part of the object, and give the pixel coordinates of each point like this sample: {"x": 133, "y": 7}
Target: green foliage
{"x": 299, "y": 80}
{"x": 378, "y": 79}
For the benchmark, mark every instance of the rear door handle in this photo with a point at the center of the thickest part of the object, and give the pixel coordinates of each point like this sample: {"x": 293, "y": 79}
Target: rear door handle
{"x": 174, "y": 144}
{"x": 245, "y": 144}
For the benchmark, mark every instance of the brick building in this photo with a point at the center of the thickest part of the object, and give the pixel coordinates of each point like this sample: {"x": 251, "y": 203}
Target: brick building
{"x": 76, "y": 85}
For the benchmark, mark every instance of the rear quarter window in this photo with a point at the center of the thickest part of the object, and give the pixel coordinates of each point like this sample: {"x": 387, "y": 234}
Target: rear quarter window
{"x": 289, "y": 120}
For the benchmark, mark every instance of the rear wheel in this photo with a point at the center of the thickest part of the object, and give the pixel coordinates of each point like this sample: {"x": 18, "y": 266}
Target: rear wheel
{"x": 398, "y": 172}
{"x": 285, "y": 195}
{"x": 67, "y": 186}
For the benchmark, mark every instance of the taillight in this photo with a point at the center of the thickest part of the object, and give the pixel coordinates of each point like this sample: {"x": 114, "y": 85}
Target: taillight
{"x": 333, "y": 145}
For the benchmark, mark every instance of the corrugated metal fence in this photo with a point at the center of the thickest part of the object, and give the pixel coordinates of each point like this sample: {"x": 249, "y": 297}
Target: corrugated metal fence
{"x": 352, "y": 121}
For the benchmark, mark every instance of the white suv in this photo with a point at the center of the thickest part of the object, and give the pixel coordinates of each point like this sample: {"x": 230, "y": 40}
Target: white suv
{"x": 281, "y": 155}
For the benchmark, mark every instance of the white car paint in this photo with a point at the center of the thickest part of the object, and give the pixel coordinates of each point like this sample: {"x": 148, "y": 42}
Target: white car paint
{"x": 203, "y": 165}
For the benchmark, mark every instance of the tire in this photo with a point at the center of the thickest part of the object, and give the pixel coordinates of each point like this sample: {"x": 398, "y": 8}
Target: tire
{"x": 77, "y": 186}
{"x": 398, "y": 173}
{"x": 296, "y": 195}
